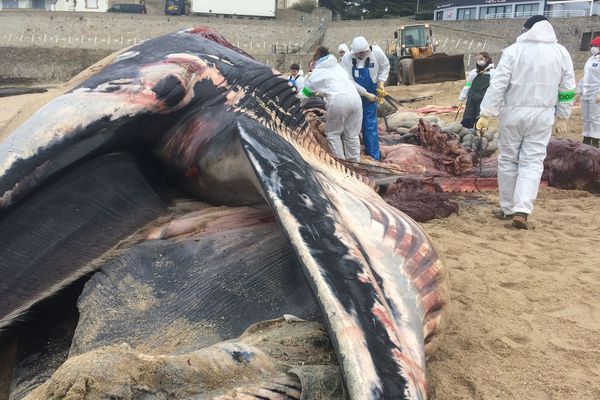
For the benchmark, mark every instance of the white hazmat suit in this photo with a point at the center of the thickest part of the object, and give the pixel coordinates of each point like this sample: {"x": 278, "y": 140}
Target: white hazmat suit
{"x": 534, "y": 76}
{"x": 379, "y": 67}
{"x": 343, "y": 104}
{"x": 588, "y": 88}
{"x": 343, "y": 48}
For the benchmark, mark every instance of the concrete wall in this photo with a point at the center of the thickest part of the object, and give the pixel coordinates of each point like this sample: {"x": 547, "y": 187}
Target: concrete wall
{"x": 117, "y": 30}
{"x": 568, "y": 31}
{"x": 46, "y": 64}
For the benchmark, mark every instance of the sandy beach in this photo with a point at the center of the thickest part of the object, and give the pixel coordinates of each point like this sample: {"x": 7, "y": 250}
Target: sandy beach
{"x": 524, "y": 317}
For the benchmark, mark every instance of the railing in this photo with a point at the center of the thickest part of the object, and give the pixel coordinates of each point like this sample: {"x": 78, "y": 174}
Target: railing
{"x": 549, "y": 14}
{"x": 286, "y": 48}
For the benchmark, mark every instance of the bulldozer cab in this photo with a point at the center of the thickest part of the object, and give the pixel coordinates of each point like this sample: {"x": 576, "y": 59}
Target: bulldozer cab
{"x": 414, "y": 41}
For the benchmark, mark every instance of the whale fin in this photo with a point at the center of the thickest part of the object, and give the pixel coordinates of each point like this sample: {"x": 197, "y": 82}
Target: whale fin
{"x": 373, "y": 271}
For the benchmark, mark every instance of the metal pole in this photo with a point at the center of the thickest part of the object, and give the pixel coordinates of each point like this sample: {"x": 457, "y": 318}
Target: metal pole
{"x": 416, "y": 12}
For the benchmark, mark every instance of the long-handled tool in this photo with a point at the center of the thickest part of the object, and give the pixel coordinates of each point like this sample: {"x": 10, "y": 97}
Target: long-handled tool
{"x": 458, "y": 111}
{"x": 380, "y": 104}
{"x": 404, "y": 101}
{"x": 479, "y": 153}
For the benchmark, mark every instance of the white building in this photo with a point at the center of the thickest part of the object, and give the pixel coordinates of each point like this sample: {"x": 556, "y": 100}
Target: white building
{"x": 493, "y": 9}
{"x": 81, "y": 5}
{"x": 25, "y": 4}
{"x": 55, "y": 5}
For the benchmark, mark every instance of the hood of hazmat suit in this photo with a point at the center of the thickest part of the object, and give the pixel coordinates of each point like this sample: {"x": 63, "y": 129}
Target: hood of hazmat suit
{"x": 359, "y": 44}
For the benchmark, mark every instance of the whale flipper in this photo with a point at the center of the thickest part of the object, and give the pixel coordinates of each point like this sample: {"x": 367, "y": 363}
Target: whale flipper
{"x": 375, "y": 278}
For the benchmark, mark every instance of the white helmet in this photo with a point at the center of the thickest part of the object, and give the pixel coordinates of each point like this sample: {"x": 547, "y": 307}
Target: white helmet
{"x": 359, "y": 44}
{"x": 343, "y": 47}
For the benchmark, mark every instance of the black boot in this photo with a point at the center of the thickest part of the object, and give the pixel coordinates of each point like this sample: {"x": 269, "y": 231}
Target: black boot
{"x": 587, "y": 140}
{"x": 595, "y": 142}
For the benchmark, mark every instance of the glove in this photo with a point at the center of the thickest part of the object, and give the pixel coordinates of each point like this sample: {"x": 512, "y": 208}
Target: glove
{"x": 560, "y": 126}
{"x": 598, "y": 97}
{"x": 370, "y": 97}
{"x": 380, "y": 89}
{"x": 482, "y": 123}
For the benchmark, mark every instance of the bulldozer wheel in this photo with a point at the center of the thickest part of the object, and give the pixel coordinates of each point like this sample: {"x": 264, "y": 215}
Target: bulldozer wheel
{"x": 406, "y": 72}
{"x": 392, "y": 79}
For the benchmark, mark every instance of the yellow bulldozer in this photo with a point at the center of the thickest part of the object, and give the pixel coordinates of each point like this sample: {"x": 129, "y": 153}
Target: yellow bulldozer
{"x": 413, "y": 58}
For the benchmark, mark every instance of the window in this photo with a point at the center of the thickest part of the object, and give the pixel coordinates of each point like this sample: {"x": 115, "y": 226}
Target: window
{"x": 38, "y": 4}
{"x": 91, "y": 3}
{"x": 586, "y": 39}
{"x": 439, "y": 15}
{"x": 414, "y": 36}
{"x": 466, "y": 13}
{"x": 526, "y": 10}
{"x": 495, "y": 12}
{"x": 10, "y": 4}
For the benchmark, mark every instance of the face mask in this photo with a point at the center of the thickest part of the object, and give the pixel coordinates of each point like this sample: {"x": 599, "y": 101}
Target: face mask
{"x": 481, "y": 63}
{"x": 595, "y": 50}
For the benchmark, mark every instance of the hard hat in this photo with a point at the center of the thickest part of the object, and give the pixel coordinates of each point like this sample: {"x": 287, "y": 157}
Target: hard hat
{"x": 343, "y": 47}
{"x": 359, "y": 44}
{"x": 595, "y": 42}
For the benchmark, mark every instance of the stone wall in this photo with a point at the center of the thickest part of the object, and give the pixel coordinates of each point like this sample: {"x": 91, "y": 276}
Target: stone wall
{"x": 568, "y": 31}
{"x": 116, "y": 30}
{"x": 46, "y": 64}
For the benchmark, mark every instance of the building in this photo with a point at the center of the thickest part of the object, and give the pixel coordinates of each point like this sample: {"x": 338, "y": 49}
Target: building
{"x": 493, "y": 9}
{"x": 25, "y": 4}
{"x": 82, "y": 5}
{"x": 55, "y": 5}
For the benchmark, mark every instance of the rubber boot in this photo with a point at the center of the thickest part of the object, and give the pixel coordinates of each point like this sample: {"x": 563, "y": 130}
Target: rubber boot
{"x": 595, "y": 142}
{"x": 587, "y": 140}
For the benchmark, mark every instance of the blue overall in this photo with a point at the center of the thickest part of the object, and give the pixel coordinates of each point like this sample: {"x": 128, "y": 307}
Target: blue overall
{"x": 369, "y": 122}
{"x": 292, "y": 80}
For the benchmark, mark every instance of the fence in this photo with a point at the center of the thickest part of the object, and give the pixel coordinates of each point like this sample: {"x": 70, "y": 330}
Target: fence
{"x": 118, "y": 42}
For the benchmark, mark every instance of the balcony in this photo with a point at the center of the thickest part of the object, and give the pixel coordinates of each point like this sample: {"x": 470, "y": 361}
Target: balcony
{"x": 548, "y": 14}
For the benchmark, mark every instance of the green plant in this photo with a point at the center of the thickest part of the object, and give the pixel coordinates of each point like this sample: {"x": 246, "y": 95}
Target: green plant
{"x": 306, "y": 6}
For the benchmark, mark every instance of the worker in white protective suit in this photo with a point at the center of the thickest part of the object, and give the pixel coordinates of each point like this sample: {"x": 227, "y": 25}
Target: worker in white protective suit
{"x": 342, "y": 50}
{"x": 532, "y": 89}
{"x": 369, "y": 67}
{"x": 589, "y": 91}
{"x": 343, "y": 104}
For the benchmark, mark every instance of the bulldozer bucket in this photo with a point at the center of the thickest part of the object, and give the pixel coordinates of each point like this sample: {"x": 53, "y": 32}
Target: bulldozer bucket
{"x": 438, "y": 68}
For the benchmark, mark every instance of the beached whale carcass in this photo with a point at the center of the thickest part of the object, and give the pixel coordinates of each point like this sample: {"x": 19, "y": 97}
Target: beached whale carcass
{"x": 190, "y": 110}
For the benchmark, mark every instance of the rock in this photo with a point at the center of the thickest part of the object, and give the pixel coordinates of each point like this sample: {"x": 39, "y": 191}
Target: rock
{"x": 455, "y": 127}
{"x": 431, "y": 118}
